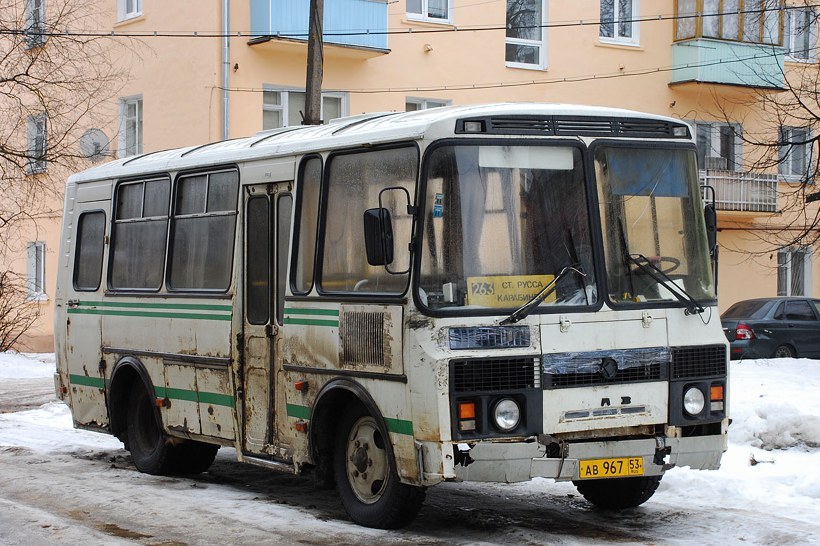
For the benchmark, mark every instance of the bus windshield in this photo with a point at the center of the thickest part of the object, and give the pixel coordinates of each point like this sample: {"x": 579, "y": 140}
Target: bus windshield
{"x": 501, "y": 223}
{"x": 654, "y": 233}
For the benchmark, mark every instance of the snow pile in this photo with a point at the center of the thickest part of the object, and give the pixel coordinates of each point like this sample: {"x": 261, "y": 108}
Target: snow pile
{"x": 15, "y": 365}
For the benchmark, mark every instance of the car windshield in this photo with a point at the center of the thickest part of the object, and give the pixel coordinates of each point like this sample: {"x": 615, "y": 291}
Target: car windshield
{"x": 653, "y": 225}
{"x": 752, "y": 309}
{"x": 501, "y": 223}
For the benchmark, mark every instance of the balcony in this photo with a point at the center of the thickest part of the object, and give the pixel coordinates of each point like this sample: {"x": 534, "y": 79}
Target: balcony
{"x": 705, "y": 60}
{"x": 360, "y": 24}
{"x": 742, "y": 191}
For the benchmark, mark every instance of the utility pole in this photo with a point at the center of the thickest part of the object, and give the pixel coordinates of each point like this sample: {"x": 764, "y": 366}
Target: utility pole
{"x": 315, "y": 68}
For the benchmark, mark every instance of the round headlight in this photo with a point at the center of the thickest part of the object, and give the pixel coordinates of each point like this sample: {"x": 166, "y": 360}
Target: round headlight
{"x": 506, "y": 414}
{"x": 693, "y": 401}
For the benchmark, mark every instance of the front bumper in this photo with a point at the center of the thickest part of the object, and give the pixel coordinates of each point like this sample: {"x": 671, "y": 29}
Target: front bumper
{"x": 521, "y": 461}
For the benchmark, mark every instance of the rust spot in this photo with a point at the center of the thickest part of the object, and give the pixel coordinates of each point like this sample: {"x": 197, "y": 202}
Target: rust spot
{"x": 210, "y": 410}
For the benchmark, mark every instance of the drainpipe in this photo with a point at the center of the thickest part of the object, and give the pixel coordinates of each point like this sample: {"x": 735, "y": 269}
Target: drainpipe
{"x": 226, "y": 66}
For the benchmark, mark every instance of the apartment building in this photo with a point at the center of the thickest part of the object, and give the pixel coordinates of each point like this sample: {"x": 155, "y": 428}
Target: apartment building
{"x": 202, "y": 72}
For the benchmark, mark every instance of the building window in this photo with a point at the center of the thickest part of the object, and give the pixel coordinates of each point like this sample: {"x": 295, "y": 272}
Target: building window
{"x": 800, "y": 34}
{"x": 35, "y": 23}
{"x": 753, "y": 21}
{"x": 719, "y": 146}
{"x": 130, "y": 137}
{"x": 128, "y": 9}
{"x": 526, "y": 33}
{"x": 794, "y": 272}
{"x": 284, "y": 108}
{"x": 36, "y": 128}
{"x": 794, "y": 153}
{"x": 619, "y": 21}
{"x": 411, "y": 104}
{"x": 437, "y": 11}
{"x": 36, "y": 270}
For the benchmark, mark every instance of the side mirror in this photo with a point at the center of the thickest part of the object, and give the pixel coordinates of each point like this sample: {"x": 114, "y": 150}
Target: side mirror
{"x": 378, "y": 236}
{"x": 710, "y": 216}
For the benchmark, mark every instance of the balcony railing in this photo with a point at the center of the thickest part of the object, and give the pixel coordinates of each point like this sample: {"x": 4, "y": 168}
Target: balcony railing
{"x": 353, "y": 23}
{"x": 706, "y": 60}
{"x": 742, "y": 191}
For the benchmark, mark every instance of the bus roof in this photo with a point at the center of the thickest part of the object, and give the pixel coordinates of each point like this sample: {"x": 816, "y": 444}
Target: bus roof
{"x": 345, "y": 132}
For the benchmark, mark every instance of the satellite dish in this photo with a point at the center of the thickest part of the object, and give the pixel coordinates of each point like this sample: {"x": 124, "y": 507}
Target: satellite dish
{"x": 94, "y": 144}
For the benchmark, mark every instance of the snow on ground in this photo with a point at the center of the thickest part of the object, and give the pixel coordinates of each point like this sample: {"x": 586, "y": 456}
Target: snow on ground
{"x": 767, "y": 490}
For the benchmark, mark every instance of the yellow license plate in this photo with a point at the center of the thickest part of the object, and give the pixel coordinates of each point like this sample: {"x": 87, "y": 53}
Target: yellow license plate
{"x": 611, "y": 468}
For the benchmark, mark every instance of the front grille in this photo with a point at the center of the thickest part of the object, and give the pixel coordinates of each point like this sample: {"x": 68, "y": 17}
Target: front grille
{"x": 521, "y": 124}
{"x": 362, "y": 338}
{"x": 651, "y": 372}
{"x": 584, "y": 126}
{"x": 695, "y": 362}
{"x": 496, "y": 374}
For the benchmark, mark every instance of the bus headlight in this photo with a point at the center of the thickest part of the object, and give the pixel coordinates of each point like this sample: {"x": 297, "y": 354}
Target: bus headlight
{"x": 506, "y": 414}
{"x": 693, "y": 401}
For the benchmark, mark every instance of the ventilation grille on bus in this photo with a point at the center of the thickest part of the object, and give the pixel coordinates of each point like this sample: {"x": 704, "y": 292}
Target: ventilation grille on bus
{"x": 495, "y": 374}
{"x": 577, "y": 126}
{"x": 651, "y": 372}
{"x": 695, "y": 362}
{"x": 362, "y": 337}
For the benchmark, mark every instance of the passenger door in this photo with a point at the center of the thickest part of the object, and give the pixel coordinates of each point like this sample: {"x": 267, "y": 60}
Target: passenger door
{"x": 84, "y": 287}
{"x": 803, "y": 327}
{"x": 267, "y": 235}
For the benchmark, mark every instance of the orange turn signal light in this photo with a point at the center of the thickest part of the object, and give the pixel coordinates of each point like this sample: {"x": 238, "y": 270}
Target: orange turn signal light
{"x": 716, "y": 392}
{"x": 301, "y": 386}
{"x": 466, "y": 410}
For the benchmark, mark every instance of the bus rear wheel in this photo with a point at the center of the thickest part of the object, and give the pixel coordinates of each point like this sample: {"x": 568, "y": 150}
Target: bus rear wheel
{"x": 192, "y": 457}
{"x": 618, "y": 493}
{"x": 366, "y": 475}
{"x": 150, "y": 449}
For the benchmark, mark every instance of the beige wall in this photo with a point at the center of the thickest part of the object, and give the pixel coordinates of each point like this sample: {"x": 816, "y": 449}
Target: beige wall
{"x": 179, "y": 80}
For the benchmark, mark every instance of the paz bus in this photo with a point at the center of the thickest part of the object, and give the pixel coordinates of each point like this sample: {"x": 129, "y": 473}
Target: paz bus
{"x": 391, "y": 301}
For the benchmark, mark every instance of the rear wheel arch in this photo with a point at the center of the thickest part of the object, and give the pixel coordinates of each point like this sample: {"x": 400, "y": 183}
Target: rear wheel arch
{"x": 128, "y": 373}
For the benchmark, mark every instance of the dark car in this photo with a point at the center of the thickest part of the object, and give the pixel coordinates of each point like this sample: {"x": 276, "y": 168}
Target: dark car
{"x": 773, "y": 327}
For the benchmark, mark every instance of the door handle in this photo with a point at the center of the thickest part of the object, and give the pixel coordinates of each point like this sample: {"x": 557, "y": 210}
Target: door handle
{"x": 72, "y": 303}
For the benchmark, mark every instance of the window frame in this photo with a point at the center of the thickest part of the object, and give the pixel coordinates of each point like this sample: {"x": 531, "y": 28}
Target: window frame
{"x": 296, "y": 228}
{"x": 790, "y": 34}
{"x": 77, "y": 250}
{"x": 740, "y": 13}
{"x": 122, "y": 9}
{"x": 785, "y": 271}
{"x": 113, "y": 227}
{"x": 124, "y": 119}
{"x": 284, "y": 104}
{"x": 785, "y": 155}
{"x": 633, "y": 40}
{"x": 37, "y": 146}
{"x": 715, "y": 134}
{"x": 423, "y": 14}
{"x": 173, "y": 217}
{"x": 36, "y": 271}
{"x": 425, "y": 103}
{"x": 35, "y": 23}
{"x": 540, "y": 44}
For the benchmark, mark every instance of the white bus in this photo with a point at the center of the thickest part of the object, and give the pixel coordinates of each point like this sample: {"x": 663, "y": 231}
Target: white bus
{"x": 391, "y": 301}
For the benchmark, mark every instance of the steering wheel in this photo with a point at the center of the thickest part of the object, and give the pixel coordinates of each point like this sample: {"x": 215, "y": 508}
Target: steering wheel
{"x": 657, "y": 261}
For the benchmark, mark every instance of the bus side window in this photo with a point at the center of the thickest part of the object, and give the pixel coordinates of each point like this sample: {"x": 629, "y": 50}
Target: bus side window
{"x": 257, "y": 256}
{"x": 201, "y": 255}
{"x": 88, "y": 253}
{"x": 307, "y": 215}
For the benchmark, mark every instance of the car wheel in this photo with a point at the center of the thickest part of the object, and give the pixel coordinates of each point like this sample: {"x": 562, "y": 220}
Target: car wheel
{"x": 149, "y": 445}
{"x": 366, "y": 475}
{"x": 785, "y": 351}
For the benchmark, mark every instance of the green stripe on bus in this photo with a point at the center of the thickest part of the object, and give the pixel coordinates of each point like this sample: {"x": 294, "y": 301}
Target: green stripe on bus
{"x": 312, "y": 322}
{"x": 399, "y": 426}
{"x": 311, "y": 311}
{"x": 97, "y": 382}
{"x": 148, "y": 314}
{"x": 194, "y": 396}
{"x": 300, "y": 412}
{"x": 141, "y": 305}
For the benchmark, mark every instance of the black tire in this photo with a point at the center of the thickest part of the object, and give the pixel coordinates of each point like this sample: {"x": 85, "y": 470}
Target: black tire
{"x": 618, "y": 493}
{"x": 149, "y": 446}
{"x": 192, "y": 457}
{"x": 366, "y": 475}
{"x": 784, "y": 351}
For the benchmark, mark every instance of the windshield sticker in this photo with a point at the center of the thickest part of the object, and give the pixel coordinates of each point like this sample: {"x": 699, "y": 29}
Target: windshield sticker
{"x": 506, "y": 290}
{"x": 438, "y": 206}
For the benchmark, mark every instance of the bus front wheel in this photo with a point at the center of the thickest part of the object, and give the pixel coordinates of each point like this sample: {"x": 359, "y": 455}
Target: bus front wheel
{"x": 618, "y": 493}
{"x": 366, "y": 475}
{"x": 149, "y": 446}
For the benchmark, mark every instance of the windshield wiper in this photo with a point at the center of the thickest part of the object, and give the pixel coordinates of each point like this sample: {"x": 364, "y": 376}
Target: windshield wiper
{"x": 523, "y": 311}
{"x": 645, "y": 265}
